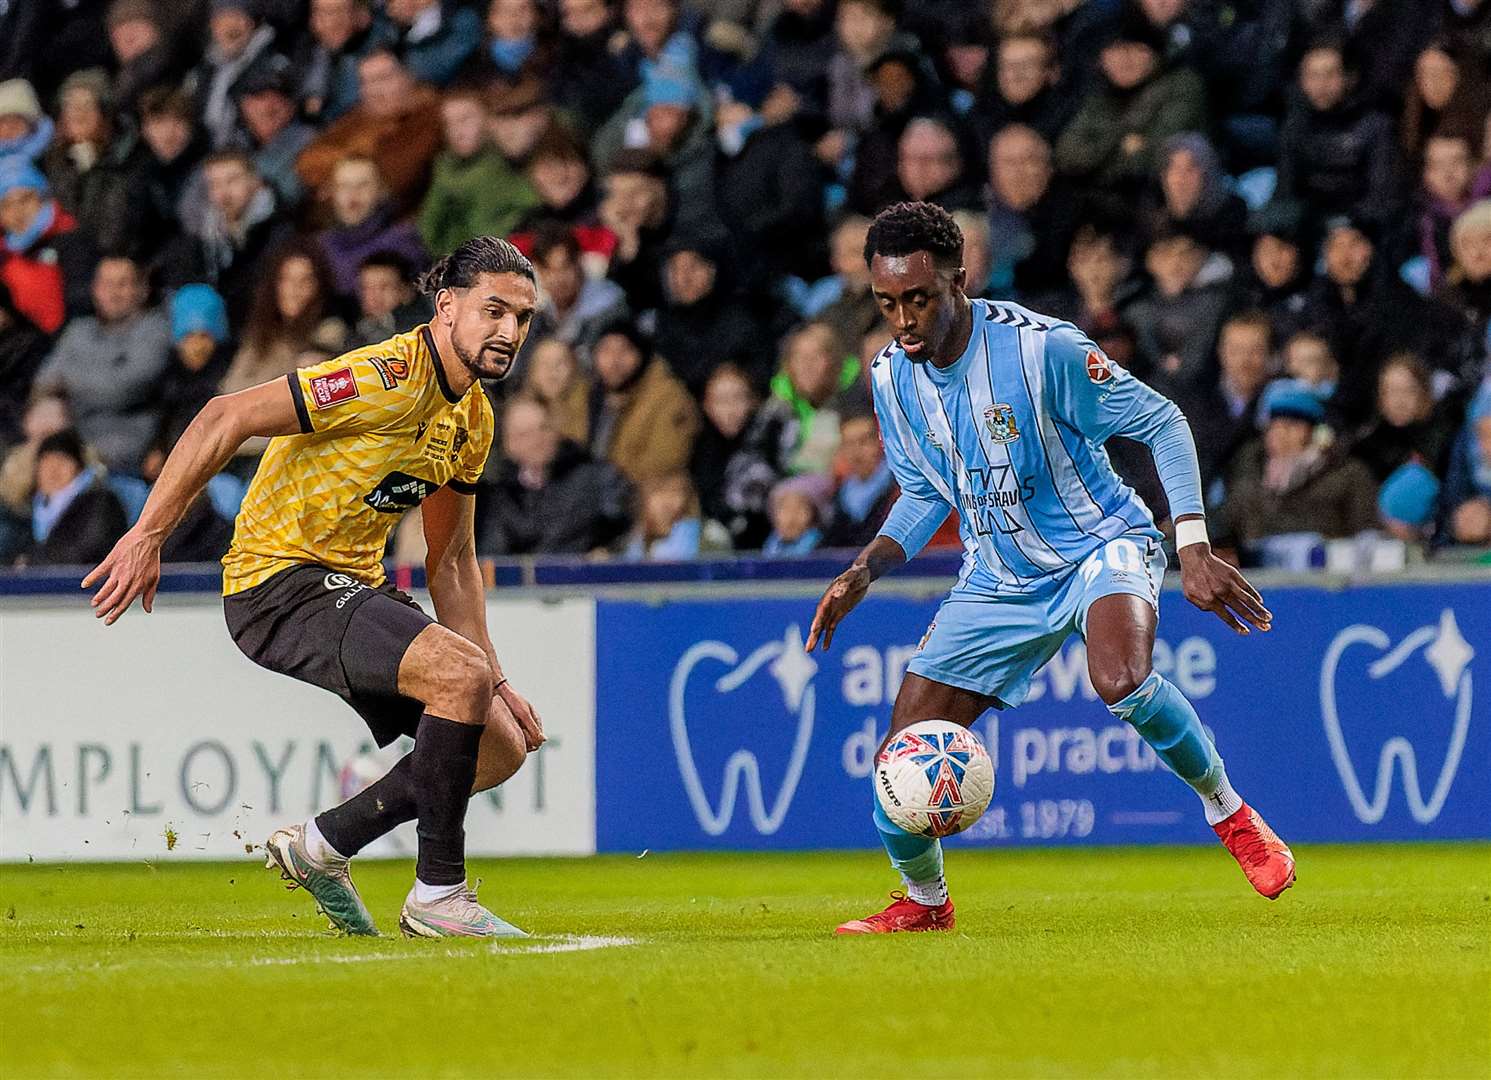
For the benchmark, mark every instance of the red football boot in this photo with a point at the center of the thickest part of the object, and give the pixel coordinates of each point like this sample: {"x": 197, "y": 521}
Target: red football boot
{"x": 1264, "y": 858}
{"x": 903, "y": 915}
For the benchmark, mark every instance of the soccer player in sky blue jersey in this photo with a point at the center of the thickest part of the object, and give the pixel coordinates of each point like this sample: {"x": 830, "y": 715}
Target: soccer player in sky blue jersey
{"x": 1001, "y": 414}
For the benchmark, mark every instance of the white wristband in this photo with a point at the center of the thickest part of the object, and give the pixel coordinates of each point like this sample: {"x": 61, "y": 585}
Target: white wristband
{"x": 1191, "y": 531}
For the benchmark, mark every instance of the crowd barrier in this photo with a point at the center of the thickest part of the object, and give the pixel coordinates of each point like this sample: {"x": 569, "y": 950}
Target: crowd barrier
{"x": 684, "y": 717}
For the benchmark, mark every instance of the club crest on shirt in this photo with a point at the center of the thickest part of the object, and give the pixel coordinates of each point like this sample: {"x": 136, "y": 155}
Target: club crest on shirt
{"x": 333, "y": 388}
{"x": 1099, "y": 367}
{"x": 999, "y": 419}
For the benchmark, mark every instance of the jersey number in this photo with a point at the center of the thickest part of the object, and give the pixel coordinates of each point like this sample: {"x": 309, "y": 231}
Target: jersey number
{"x": 1122, "y": 555}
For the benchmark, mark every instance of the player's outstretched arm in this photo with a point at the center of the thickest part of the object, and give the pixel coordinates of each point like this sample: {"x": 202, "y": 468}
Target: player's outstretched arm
{"x": 849, "y": 588}
{"x": 132, "y": 568}
{"x": 1214, "y": 585}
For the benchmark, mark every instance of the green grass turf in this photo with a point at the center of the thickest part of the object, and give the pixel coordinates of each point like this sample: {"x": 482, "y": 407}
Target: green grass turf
{"x": 1156, "y": 962}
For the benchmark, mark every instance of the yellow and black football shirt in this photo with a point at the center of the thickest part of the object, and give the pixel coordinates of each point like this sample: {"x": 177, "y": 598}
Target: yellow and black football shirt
{"x": 380, "y": 430}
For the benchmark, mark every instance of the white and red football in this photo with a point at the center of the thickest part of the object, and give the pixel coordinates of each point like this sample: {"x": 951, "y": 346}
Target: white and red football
{"x": 934, "y": 778}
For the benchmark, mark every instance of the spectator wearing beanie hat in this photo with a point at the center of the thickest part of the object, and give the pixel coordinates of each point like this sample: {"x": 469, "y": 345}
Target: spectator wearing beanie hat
{"x": 25, "y": 131}
{"x": 44, "y": 261}
{"x": 200, "y": 355}
{"x": 1406, "y": 502}
{"x": 669, "y": 116}
{"x": 1285, "y": 482}
{"x": 75, "y": 518}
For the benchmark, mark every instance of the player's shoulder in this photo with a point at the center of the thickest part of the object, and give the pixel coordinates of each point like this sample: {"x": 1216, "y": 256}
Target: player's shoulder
{"x": 404, "y": 361}
{"x": 1009, "y": 313}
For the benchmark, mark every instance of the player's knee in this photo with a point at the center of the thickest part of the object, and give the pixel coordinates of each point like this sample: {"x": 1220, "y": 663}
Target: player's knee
{"x": 1115, "y": 680}
{"x": 465, "y": 683}
{"x": 502, "y": 754}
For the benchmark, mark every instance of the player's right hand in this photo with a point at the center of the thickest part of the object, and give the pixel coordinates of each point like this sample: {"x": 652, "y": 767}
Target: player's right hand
{"x": 525, "y": 714}
{"x": 1219, "y": 587}
{"x": 131, "y": 570}
{"x": 845, "y": 591}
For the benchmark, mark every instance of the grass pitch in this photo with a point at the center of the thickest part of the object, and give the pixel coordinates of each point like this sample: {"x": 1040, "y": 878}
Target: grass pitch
{"x": 1156, "y": 962}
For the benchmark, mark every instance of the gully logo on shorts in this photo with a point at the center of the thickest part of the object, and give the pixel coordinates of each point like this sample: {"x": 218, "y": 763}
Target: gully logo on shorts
{"x": 1446, "y": 653}
{"x": 716, "y": 664}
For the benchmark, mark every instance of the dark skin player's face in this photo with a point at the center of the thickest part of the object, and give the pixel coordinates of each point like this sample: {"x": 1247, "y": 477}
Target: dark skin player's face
{"x": 489, "y": 321}
{"x": 923, "y": 305}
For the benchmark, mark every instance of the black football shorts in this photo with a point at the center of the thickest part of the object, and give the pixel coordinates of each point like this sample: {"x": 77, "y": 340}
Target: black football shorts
{"x": 328, "y": 629}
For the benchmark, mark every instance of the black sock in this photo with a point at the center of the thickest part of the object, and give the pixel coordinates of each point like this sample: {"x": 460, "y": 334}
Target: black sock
{"x": 444, "y": 769}
{"x": 378, "y": 808}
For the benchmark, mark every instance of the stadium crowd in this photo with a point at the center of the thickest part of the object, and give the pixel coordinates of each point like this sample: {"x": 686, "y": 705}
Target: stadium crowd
{"x": 1278, "y": 212}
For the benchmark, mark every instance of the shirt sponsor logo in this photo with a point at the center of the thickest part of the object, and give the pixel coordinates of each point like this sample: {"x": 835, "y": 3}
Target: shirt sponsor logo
{"x": 333, "y": 388}
{"x": 999, "y": 419}
{"x": 399, "y": 492}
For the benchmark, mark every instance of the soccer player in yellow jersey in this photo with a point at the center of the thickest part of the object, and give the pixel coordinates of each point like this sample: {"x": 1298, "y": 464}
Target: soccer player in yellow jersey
{"x": 357, "y": 441}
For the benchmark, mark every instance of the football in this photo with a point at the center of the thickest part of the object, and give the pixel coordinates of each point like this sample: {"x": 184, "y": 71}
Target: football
{"x": 934, "y": 778}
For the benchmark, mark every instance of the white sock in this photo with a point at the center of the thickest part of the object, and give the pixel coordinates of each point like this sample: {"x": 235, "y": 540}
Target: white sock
{"x": 928, "y": 893}
{"x": 317, "y": 847}
{"x": 1221, "y": 803}
{"x": 428, "y": 894}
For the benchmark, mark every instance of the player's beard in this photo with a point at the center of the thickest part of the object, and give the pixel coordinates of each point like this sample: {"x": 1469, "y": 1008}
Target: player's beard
{"x": 486, "y": 363}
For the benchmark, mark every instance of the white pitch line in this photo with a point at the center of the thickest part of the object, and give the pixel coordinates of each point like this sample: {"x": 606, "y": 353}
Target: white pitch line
{"x": 567, "y": 943}
{"x": 579, "y": 943}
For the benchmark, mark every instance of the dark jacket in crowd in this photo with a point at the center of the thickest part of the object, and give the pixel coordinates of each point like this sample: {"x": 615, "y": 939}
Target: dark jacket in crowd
{"x": 23, "y": 349}
{"x": 844, "y": 530}
{"x": 85, "y": 532}
{"x": 1184, "y": 327}
{"x": 1091, "y": 147}
{"x": 108, "y": 199}
{"x": 233, "y": 270}
{"x": 1336, "y": 498}
{"x": 583, "y": 506}
{"x": 184, "y": 392}
{"x": 696, "y": 338}
{"x": 733, "y": 483}
{"x": 770, "y": 196}
{"x": 1343, "y": 161}
{"x": 594, "y": 82}
{"x": 1381, "y": 447}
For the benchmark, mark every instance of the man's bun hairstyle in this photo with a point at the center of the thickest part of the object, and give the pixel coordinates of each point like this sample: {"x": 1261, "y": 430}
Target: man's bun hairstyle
{"x": 477, "y": 256}
{"x": 909, "y": 227}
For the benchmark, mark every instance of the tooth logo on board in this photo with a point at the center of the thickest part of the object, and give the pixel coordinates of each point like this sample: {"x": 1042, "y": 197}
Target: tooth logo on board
{"x": 793, "y": 670}
{"x": 1447, "y": 653}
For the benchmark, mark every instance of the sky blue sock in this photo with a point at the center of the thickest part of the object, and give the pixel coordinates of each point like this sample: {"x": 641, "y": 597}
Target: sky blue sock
{"x": 1163, "y": 716}
{"x": 916, "y": 858}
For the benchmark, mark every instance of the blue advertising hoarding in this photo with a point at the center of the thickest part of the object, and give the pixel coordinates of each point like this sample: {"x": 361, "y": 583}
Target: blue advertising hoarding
{"x": 1364, "y": 715}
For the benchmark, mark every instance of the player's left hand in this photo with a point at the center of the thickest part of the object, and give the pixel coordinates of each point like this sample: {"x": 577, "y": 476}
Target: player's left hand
{"x": 525, "y": 714}
{"x": 1216, "y": 586}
